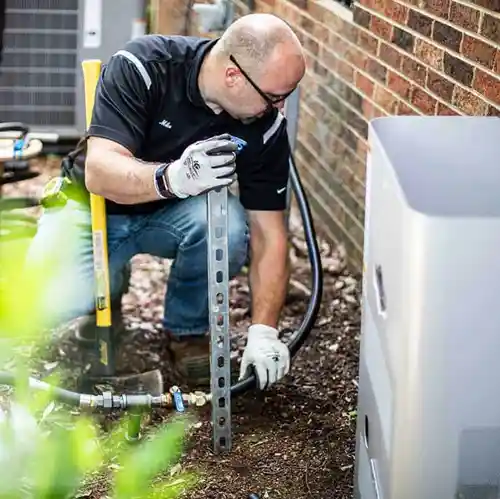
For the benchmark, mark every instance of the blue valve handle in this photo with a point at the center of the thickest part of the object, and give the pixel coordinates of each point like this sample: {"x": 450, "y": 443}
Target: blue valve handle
{"x": 18, "y": 148}
{"x": 177, "y": 395}
{"x": 239, "y": 142}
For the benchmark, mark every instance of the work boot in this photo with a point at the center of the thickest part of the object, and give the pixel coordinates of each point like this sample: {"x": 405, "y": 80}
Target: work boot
{"x": 190, "y": 360}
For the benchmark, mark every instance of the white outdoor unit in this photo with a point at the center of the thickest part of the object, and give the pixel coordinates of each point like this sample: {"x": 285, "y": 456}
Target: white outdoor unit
{"x": 429, "y": 388}
{"x": 45, "y": 42}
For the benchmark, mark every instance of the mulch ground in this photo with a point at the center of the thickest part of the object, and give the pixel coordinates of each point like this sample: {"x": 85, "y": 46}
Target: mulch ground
{"x": 294, "y": 441}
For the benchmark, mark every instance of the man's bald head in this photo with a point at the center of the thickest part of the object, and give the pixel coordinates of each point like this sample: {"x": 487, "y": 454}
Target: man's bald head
{"x": 253, "y": 67}
{"x": 255, "y": 38}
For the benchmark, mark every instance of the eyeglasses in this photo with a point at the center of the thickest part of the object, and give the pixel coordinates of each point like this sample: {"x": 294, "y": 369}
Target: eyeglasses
{"x": 270, "y": 99}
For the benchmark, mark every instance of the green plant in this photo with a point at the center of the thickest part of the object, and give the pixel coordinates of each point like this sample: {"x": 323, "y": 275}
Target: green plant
{"x": 48, "y": 450}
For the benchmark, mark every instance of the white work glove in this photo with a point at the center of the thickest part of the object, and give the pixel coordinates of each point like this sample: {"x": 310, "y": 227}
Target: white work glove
{"x": 203, "y": 166}
{"x": 267, "y": 354}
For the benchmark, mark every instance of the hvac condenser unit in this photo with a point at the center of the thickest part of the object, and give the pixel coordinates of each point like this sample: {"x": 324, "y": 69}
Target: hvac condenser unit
{"x": 45, "y": 42}
{"x": 429, "y": 385}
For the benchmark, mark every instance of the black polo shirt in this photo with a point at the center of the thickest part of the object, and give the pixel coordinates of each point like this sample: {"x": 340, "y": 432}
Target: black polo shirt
{"x": 148, "y": 100}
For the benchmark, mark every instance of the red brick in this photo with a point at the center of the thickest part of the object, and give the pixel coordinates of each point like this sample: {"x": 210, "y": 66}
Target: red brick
{"x": 368, "y": 42}
{"x": 468, "y": 102}
{"x": 414, "y": 70}
{"x": 403, "y": 39}
{"x": 448, "y": 36}
{"x": 307, "y": 23}
{"x": 361, "y": 17}
{"x": 404, "y": 109}
{"x": 458, "y": 69}
{"x": 320, "y": 32}
{"x": 478, "y": 51}
{"x": 355, "y": 56}
{"x": 375, "y": 69}
{"x": 428, "y": 53}
{"x": 438, "y": 7}
{"x": 399, "y": 85}
{"x": 488, "y": 85}
{"x": 348, "y": 30}
{"x": 311, "y": 45}
{"x": 490, "y": 28}
{"x": 423, "y": 101}
{"x": 443, "y": 110}
{"x": 381, "y": 28}
{"x": 464, "y": 16}
{"x": 364, "y": 84}
{"x": 346, "y": 71}
{"x": 396, "y": 11}
{"x": 442, "y": 87}
{"x": 497, "y": 62}
{"x": 374, "y": 4}
{"x": 320, "y": 12}
{"x": 493, "y": 5}
{"x": 385, "y": 99}
{"x": 341, "y": 47}
{"x": 390, "y": 55}
{"x": 420, "y": 23}
{"x": 329, "y": 59}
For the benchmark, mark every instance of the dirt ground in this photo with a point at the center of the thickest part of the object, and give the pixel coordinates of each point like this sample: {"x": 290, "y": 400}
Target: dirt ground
{"x": 294, "y": 441}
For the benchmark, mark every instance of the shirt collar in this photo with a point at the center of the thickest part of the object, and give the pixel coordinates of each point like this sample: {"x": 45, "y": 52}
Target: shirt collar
{"x": 193, "y": 90}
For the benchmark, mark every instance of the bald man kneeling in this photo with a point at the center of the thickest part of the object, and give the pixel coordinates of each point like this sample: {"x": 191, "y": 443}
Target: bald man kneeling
{"x": 163, "y": 105}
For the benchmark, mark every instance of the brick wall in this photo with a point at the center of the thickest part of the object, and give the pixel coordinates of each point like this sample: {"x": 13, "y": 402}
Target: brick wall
{"x": 378, "y": 58}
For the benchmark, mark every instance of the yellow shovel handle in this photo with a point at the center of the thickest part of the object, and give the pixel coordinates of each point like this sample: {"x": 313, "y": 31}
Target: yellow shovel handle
{"x": 91, "y": 71}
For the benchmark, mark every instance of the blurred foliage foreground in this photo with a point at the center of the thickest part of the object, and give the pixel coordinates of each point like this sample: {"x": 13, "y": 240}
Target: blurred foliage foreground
{"x": 52, "y": 451}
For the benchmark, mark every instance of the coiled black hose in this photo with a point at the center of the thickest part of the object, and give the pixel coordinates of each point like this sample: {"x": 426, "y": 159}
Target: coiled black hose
{"x": 317, "y": 278}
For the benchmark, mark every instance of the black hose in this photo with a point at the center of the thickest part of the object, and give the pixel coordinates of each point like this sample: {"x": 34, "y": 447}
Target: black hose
{"x": 317, "y": 279}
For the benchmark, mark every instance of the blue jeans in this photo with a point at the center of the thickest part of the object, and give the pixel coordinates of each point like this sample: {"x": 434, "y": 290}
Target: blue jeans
{"x": 177, "y": 231}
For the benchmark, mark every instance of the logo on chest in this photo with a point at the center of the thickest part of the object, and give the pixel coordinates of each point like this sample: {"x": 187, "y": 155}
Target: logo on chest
{"x": 165, "y": 124}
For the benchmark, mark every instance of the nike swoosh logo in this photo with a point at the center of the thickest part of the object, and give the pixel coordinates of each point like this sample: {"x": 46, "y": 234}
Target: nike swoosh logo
{"x": 279, "y": 191}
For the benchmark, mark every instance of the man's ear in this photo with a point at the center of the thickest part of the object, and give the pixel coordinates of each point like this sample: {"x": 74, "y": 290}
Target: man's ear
{"x": 232, "y": 76}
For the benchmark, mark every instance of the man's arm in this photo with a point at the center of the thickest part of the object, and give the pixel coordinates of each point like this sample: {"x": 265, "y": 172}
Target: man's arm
{"x": 269, "y": 269}
{"x": 112, "y": 171}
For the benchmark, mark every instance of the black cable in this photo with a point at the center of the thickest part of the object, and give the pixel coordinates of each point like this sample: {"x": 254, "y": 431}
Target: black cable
{"x": 317, "y": 278}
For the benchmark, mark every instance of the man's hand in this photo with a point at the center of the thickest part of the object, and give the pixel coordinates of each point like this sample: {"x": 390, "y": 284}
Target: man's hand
{"x": 268, "y": 354}
{"x": 204, "y": 165}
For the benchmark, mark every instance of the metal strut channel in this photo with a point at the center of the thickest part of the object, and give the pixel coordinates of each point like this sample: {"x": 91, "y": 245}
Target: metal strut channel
{"x": 218, "y": 299}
